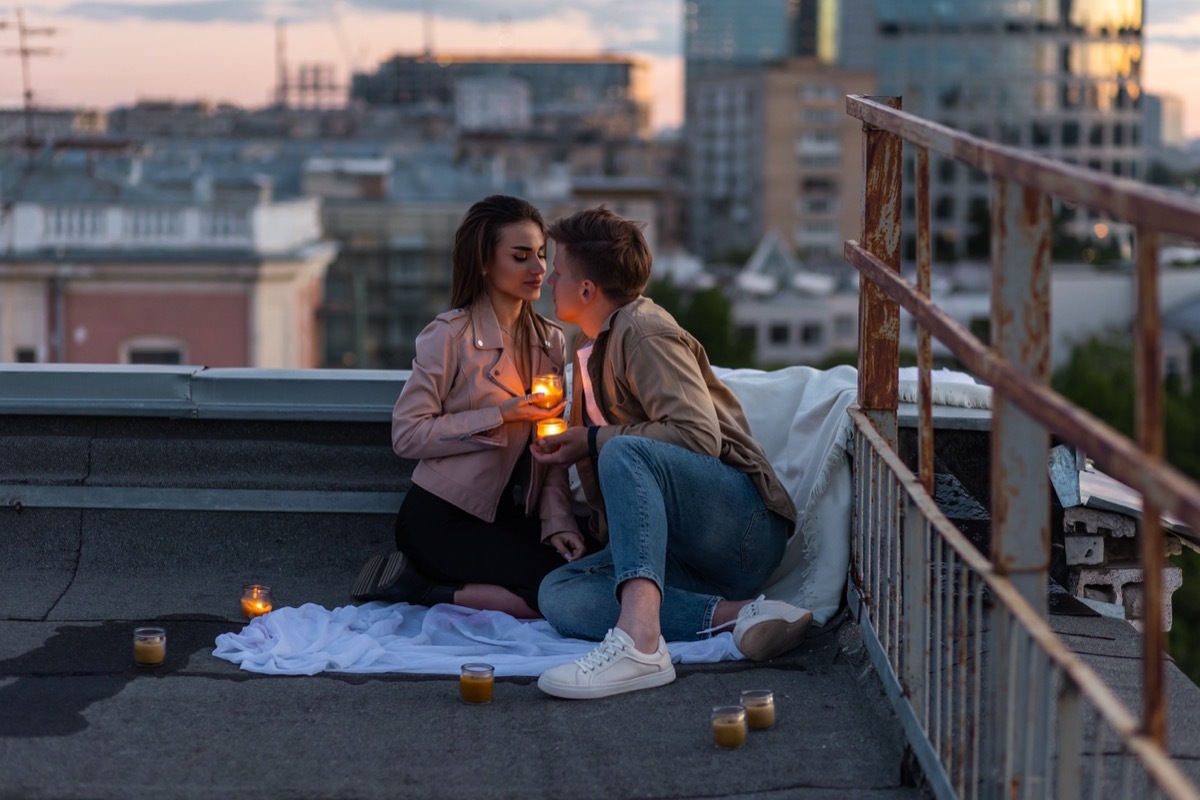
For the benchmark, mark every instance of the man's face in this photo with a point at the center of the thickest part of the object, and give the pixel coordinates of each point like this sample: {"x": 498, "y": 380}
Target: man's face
{"x": 566, "y": 286}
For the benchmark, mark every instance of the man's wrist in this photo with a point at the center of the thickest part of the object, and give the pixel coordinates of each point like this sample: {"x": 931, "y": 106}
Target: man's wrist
{"x": 593, "y": 451}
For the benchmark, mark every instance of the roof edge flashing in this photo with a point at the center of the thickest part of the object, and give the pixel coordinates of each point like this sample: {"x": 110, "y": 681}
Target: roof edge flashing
{"x": 198, "y": 392}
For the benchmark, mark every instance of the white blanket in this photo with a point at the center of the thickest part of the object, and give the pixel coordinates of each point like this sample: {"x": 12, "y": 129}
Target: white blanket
{"x": 397, "y": 637}
{"x": 799, "y": 416}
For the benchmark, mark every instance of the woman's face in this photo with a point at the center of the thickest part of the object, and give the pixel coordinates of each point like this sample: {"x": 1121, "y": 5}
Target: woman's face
{"x": 518, "y": 266}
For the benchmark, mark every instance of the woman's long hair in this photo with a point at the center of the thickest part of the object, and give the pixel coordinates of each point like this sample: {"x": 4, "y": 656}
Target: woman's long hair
{"x": 475, "y": 246}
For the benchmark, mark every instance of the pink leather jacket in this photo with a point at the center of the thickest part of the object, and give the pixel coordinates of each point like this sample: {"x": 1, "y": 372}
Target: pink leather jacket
{"x": 448, "y": 417}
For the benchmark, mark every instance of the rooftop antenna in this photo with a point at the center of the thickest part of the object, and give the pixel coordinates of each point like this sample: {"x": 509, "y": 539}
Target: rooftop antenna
{"x": 281, "y": 73}
{"x": 428, "y": 19}
{"x": 506, "y": 36}
{"x": 25, "y": 51}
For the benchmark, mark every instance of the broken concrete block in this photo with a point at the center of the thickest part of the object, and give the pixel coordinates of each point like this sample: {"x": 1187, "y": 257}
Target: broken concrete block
{"x": 1123, "y": 586}
{"x": 1082, "y": 520}
{"x": 1084, "y": 549}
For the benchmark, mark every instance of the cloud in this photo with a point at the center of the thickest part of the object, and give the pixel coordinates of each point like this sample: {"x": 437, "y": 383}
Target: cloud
{"x": 251, "y": 11}
{"x": 1164, "y": 11}
{"x": 652, "y": 27}
{"x": 1183, "y": 42}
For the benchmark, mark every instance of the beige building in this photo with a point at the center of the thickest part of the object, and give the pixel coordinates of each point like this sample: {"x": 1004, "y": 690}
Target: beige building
{"x": 771, "y": 149}
{"x": 812, "y": 176}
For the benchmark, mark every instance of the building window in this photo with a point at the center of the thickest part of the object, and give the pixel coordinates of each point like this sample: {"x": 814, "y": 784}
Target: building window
{"x": 944, "y": 207}
{"x": 821, "y": 205}
{"x": 145, "y": 355}
{"x": 778, "y": 334}
{"x": 811, "y": 333}
{"x": 406, "y": 267}
{"x": 26, "y": 355}
{"x": 819, "y": 116}
{"x": 843, "y": 326}
{"x": 816, "y": 185}
{"x": 153, "y": 350}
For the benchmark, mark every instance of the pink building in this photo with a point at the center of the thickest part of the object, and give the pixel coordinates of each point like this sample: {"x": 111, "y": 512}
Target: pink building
{"x": 106, "y": 270}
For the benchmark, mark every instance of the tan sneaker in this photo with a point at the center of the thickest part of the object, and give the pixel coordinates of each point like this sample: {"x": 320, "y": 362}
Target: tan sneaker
{"x": 614, "y": 667}
{"x": 766, "y": 628}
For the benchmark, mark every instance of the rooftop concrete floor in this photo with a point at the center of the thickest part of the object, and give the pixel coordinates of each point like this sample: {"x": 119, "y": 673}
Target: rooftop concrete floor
{"x": 79, "y": 720}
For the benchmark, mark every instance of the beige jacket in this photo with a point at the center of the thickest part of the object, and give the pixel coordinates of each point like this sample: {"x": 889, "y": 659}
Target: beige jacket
{"x": 448, "y": 417}
{"x": 652, "y": 378}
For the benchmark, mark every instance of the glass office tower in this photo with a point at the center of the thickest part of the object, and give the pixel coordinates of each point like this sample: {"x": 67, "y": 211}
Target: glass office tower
{"x": 1062, "y": 77}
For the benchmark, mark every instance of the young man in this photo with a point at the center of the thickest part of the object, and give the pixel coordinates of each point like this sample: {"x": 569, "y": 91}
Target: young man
{"x": 692, "y": 514}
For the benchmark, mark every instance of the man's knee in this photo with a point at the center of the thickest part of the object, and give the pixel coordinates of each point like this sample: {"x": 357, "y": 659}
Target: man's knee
{"x": 622, "y": 453}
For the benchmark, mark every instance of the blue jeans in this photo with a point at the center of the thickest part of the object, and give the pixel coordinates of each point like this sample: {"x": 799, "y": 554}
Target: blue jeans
{"x": 688, "y": 522}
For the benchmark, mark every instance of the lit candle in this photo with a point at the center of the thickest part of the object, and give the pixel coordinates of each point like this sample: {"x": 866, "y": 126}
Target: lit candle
{"x": 256, "y": 600}
{"x": 551, "y": 427}
{"x": 760, "y": 708}
{"x": 476, "y": 683}
{"x": 550, "y": 387}
{"x": 149, "y": 646}
{"x": 729, "y": 727}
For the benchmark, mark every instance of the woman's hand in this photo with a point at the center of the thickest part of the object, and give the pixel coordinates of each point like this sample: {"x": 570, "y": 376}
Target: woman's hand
{"x": 522, "y": 409}
{"x": 569, "y": 544}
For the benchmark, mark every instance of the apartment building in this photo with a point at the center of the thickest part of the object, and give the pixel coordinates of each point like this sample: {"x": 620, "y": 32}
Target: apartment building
{"x": 101, "y": 266}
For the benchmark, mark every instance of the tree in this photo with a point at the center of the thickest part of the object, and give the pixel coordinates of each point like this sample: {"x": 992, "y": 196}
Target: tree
{"x": 707, "y": 314}
{"x": 1100, "y": 378}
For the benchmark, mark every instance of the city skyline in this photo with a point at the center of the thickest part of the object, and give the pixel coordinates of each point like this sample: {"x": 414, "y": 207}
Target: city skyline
{"x": 104, "y": 54}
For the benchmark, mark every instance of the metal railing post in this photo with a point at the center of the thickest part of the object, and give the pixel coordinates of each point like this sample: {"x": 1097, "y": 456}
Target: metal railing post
{"x": 1149, "y": 420}
{"x": 879, "y": 315}
{"x": 1020, "y": 446}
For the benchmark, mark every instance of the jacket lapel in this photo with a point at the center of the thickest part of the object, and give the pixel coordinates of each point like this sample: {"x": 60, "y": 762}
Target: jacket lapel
{"x": 486, "y": 335}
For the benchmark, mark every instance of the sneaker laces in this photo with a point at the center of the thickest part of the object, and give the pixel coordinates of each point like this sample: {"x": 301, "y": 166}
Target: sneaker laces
{"x": 607, "y": 650}
{"x": 745, "y": 611}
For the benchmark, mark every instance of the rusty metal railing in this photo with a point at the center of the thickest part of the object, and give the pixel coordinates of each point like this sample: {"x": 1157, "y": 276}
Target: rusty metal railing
{"x": 993, "y": 702}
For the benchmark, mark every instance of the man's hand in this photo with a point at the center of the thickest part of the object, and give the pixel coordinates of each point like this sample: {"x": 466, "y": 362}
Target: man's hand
{"x": 561, "y": 449}
{"x": 569, "y": 544}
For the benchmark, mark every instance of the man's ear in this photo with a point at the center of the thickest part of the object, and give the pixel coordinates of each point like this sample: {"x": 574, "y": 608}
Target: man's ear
{"x": 587, "y": 289}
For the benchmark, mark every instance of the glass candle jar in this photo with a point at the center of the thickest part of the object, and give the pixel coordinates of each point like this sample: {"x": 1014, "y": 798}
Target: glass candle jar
{"x": 551, "y": 427}
{"x": 256, "y": 600}
{"x": 729, "y": 727}
{"x": 476, "y": 683}
{"x": 760, "y": 708}
{"x": 149, "y": 646}
{"x": 550, "y": 388}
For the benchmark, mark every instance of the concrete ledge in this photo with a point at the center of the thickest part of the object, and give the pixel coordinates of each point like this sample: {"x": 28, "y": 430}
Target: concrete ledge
{"x": 199, "y": 392}
{"x": 188, "y": 439}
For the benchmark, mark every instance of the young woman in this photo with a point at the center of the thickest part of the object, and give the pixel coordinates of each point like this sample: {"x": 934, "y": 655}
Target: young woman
{"x": 483, "y": 522}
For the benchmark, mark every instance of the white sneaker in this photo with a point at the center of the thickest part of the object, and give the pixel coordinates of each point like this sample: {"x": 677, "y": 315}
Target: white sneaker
{"x": 765, "y": 628}
{"x": 614, "y": 667}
